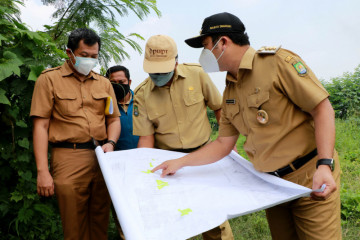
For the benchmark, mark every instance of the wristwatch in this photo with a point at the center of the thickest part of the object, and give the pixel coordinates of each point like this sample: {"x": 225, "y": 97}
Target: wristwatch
{"x": 326, "y": 161}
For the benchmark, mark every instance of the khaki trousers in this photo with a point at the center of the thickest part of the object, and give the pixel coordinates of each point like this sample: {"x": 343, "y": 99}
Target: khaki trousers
{"x": 222, "y": 232}
{"x": 305, "y": 218}
{"x": 81, "y": 192}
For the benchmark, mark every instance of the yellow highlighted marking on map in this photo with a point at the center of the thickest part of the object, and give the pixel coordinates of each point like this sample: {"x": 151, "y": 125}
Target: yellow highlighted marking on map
{"x": 151, "y": 165}
{"x": 161, "y": 184}
{"x": 152, "y": 159}
{"x": 185, "y": 211}
{"x": 147, "y": 172}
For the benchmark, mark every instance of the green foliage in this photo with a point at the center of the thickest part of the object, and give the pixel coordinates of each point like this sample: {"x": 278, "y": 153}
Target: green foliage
{"x": 345, "y": 94}
{"x": 100, "y": 15}
{"x": 23, "y": 55}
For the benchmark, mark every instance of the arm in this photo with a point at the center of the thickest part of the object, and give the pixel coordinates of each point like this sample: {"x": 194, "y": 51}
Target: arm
{"x": 146, "y": 141}
{"x": 324, "y": 119}
{"x": 113, "y": 129}
{"x": 45, "y": 183}
{"x": 210, "y": 153}
{"x": 218, "y": 116}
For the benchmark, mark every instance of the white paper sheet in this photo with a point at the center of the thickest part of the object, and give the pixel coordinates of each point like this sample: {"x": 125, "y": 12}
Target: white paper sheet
{"x": 190, "y": 202}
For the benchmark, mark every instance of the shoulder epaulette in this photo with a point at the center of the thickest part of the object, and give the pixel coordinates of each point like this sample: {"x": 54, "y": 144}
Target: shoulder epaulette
{"x": 141, "y": 85}
{"x": 192, "y": 64}
{"x": 50, "y": 69}
{"x": 268, "y": 50}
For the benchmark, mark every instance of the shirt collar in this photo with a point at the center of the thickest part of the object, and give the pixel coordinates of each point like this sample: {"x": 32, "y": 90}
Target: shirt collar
{"x": 67, "y": 70}
{"x": 245, "y": 63}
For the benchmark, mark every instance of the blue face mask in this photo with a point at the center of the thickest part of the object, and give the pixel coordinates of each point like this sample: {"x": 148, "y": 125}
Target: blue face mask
{"x": 161, "y": 79}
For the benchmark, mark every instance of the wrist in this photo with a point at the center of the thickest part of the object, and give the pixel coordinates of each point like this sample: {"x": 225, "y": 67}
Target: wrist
{"x": 325, "y": 162}
{"x": 112, "y": 143}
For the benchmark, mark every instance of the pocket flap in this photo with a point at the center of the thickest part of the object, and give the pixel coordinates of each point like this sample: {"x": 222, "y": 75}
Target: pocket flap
{"x": 193, "y": 99}
{"x": 256, "y": 100}
{"x": 100, "y": 95}
{"x": 66, "y": 95}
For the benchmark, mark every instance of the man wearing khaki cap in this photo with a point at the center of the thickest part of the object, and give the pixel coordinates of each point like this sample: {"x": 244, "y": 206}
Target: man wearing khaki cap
{"x": 170, "y": 106}
{"x": 275, "y": 100}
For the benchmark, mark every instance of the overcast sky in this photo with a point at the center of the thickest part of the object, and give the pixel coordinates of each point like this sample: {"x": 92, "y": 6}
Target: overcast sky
{"x": 325, "y": 33}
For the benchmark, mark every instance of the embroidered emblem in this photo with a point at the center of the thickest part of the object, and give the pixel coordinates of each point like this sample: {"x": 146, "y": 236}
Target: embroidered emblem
{"x": 300, "y": 68}
{"x": 136, "y": 111}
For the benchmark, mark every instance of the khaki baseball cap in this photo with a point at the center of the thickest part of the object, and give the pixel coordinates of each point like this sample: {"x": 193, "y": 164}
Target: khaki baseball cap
{"x": 160, "y": 53}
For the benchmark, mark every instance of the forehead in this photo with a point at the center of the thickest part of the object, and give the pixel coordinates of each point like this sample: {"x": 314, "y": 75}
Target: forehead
{"x": 119, "y": 75}
{"x": 94, "y": 49}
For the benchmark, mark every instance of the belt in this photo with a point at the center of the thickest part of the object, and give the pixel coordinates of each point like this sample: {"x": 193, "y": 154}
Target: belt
{"x": 298, "y": 163}
{"x": 85, "y": 145}
{"x": 189, "y": 150}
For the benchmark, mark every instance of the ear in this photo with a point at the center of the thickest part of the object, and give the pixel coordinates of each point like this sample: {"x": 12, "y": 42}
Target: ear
{"x": 70, "y": 55}
{"x": 129, "y": 82}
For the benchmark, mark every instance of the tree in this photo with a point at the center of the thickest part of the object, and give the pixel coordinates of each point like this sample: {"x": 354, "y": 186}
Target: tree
{"x": 101, "y": 15}
{"x": 345, "y": 94}
{"x": 23, "y": 55}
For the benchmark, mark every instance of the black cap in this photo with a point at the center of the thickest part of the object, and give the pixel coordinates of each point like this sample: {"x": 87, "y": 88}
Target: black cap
{"x": 217, "y": 23}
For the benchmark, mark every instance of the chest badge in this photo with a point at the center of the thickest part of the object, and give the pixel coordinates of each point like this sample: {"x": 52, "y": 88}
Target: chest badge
{"x": 262, "y": 117}
{"x": 136, "y": 111}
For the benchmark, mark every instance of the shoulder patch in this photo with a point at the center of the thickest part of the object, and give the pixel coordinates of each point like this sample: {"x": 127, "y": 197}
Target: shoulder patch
{"x": 192, "y": 64}
{"x": 50, "y": 69}
{"x": 297, "y": 64}
{"x": 143, "y": 83}
{"x": 268, "y": 50}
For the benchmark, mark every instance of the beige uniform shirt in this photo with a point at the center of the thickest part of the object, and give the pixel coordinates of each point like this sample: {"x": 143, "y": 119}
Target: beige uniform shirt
{"x": 176, "y": 114}
{"x": 76, "y": 108}
{"x": 271, "y": 83}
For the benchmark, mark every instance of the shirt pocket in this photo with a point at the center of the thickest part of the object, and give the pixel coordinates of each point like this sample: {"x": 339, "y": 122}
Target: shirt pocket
{"x": 99, "y": 101}
{"x": 256, "y": 102}
{"x": 157, "y": 116}
{"x": 194, "y": 103}
{"x": 67, "y": 102}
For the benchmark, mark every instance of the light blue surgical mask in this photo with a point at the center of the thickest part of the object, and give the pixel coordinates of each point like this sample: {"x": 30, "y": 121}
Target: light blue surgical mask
{"x": 84, "y": 65}
{"x": 161, "y": 79}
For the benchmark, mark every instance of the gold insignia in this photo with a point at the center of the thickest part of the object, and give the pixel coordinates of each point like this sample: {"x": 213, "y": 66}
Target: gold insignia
{"x": 268, "y": 50}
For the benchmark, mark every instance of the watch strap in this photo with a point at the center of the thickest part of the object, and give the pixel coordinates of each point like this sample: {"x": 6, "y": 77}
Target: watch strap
{"x": 326, "y": 161}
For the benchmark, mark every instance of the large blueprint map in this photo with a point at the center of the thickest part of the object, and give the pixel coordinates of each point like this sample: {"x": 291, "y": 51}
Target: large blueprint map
{"x": 190, "y": 202}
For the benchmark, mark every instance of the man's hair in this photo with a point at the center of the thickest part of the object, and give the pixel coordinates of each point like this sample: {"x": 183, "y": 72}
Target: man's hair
{"x": 118, "y": 68}
{"x": 240, "y": 39}
{"x": 89, "y": 36}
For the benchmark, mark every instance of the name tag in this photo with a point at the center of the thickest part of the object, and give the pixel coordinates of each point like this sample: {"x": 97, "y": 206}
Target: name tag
{"x": 230, "y": 101}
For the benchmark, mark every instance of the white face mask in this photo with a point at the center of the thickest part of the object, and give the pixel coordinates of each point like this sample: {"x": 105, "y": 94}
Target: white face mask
{"x": 208, "y": 60}
{"x": 84, "y": 65}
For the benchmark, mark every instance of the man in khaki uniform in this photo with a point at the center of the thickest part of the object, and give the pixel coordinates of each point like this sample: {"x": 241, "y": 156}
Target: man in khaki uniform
{"x": 170, "y": 106}
{"x": 69, "y": 110}
{"x": 275, "y": 100}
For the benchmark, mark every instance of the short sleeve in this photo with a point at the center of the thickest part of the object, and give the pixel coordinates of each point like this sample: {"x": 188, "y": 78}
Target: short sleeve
{"x": 43, "y": 98}
{"x": 226, "y": 128}
{"x": 298, "y": 82}
{"x": 111, "y": 92}
{"x": 142, "y": 126}
{"x": 211, "y": 94}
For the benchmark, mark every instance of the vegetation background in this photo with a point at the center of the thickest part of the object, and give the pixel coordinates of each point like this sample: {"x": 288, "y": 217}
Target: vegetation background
{"x": 25, "y": 53}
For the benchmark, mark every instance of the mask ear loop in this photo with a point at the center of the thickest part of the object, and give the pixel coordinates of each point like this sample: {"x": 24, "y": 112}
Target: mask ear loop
{"x": 74, "y": 58}
{"x": 215, "y": 46}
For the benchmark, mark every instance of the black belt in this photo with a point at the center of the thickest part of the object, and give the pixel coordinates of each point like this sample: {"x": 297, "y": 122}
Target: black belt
{"x": 296, "y": 164}
{"x": 189, "y": 150}
{"x": 85, "y": 145}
